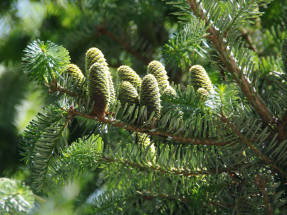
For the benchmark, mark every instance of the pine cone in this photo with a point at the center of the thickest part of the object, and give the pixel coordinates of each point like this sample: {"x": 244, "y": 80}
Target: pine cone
{"x": 128, "y": 74}
{"x": 200, "y": 78}
{"x": 94, "y": 55}
{"x": 127, "y": 93}
{"x": 157, "y": 69}
{"x": 75, "y": 72}
{"x": 150, "y": 96}
{"x": 98, "y": 86}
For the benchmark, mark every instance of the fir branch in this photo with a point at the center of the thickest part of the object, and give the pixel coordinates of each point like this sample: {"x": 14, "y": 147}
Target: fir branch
{"x": 231, "y": 65}
{"x": 149, "y": 131}
{"x": 249, "y": 144}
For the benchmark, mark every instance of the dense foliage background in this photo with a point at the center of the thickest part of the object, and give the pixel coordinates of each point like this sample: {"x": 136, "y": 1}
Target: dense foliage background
{"x": 127, "y": 31}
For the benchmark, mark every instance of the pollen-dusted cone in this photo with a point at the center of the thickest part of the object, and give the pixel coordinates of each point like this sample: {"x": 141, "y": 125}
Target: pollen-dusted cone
{"x": 128, "y": 74}
{"x": 128, "y": 93}
{"x": 98, "y": 86}
{"x": 157, "y": 69}
{"x": 200, "y": 78}
{"x": 95, "y": 55}
{"x": 150, "y": 96}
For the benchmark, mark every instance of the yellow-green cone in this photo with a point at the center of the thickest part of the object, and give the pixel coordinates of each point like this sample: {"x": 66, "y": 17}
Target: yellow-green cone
{"x": 127, "y": 93}
{"x": 95, "y": 55}
{"x": 150, "y": 96}
{"x": 128, "y": 74}
{"x": 200, "y": 78}
{"x": 98, "y": 86}
{"x": 157, "y": 69}
{"x": 75, "y": 72}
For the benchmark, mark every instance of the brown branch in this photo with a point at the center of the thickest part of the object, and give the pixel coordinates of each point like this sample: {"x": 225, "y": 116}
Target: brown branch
{"x": 103, "y": 30}
{"x": 261, "y": 184}
{"x": 282, "y": 135}
{"x": 249, "y": 144}
{"x": 115, "y": 123}
{"x": 231, "y": 65}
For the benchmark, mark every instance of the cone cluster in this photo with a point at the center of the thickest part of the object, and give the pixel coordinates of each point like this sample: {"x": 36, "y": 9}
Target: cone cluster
{"x": 132, "y": 89}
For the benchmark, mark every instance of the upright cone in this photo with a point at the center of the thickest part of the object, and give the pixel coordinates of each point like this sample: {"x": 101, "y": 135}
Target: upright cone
{"x": 75, "y": 72}
{"x": 94, "y": 55}
{"x": 150, "y": 96}
{"x": 128, "y": 74}
{"x": 128, "y": 93}
{"x": 200, "y": 78}
{"x": 98, "y": 86}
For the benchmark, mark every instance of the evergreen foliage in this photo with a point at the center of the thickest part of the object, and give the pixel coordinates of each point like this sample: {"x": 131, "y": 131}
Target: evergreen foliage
{"x": 213, "y": 144}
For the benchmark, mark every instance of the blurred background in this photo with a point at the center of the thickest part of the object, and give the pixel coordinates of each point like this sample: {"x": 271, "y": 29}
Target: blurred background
{"x": 131, "y": 32}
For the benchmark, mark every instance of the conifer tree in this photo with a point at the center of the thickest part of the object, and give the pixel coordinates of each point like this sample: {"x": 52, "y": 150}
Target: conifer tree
{"x": 215, "y": 143}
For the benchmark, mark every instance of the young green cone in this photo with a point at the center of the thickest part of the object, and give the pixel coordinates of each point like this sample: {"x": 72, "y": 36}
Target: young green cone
{"x": 94, "y": 55}
{"x": 157, "y": 69}
{"x": 127, "y": 93}
{"x": 98, "y": 86}
{"x": 128, "y": 74}
{"x": 150, "y": 96}
{"x": 75, "y": 72}
{"x": 200, "y": 78}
